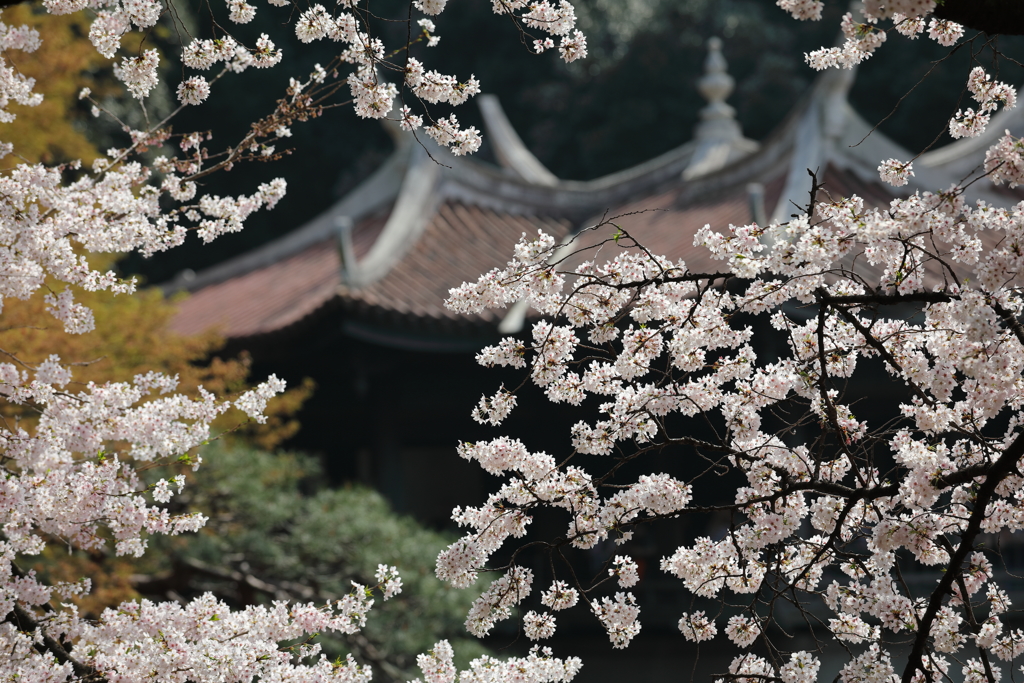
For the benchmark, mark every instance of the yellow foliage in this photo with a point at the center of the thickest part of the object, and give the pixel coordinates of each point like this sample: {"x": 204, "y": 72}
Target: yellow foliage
{"x": 110, "y": 577}
{"x": 131, "y": 335}
{"x": 61, "y": 66}
{"x": 131, "y": 338}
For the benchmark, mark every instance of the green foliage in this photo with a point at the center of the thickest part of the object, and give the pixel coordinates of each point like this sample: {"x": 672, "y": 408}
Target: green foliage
{"x": 270, "y": 519}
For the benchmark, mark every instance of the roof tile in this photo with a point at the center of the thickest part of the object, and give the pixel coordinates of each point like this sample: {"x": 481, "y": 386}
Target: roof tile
{"x": 460, "y": 243}
{"x": 266, "y": 299}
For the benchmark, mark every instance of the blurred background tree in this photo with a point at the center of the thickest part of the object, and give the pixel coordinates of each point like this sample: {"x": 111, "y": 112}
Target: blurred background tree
{"x": 131, "y": 338}
{"x": 275, "y": 532}
{"x": 55, "y": 131}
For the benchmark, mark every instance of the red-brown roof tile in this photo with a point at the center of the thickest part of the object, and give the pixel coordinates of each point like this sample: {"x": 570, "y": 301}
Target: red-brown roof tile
{"x": 666, "y": 223}
{"x": 266, "y": 299}
{"x": 461, "y": 243}
{"x": 366, "y": 231}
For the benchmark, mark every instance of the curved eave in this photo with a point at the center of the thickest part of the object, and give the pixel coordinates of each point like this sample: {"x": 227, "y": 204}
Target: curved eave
{"x": 512, "y": 153}
{"x": 264, "y": 299}
{"x": 460, "y": 242}
{"x": 418, "y": 228}
{"x": 372, "y": 195}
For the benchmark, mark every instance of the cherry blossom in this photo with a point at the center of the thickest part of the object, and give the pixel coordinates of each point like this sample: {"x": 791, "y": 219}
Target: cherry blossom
{"x": 619, "y": 616}
{"x": 895, "y": 173}
{"x": 560, "y": 596}
{"x": 627, "y": 571}
{"x": 697, "y": 627}
{"x": 863, "y": 38}
{"x": 76, "y": 477}
{"x": 193, "y": 90}
{"x": 924, "y": 287}
{"x": 539, "y": 666}
{"x": 538, "y": 626}
{"x": 742, "y": 630}
{"x": 833, "y": 507}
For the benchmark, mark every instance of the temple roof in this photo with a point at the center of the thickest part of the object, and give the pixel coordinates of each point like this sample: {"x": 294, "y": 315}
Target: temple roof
{"x": 392, "y": 248}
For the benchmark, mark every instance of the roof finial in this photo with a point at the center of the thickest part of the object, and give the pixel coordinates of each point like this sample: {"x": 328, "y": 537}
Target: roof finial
{"x": 717, "y": 118}
{"x": 718, "y": 137}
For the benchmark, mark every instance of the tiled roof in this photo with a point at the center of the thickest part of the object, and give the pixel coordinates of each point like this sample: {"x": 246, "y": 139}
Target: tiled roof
{"x": 666, "y": 223}
{"x": 366, "y": 231}
{"x": 266, "y": 299}
{"x": 421, "y": 229}
{"x": 463, "y": 241}
{"x": 279, "y": 294}
{"x": 460, "y": 243}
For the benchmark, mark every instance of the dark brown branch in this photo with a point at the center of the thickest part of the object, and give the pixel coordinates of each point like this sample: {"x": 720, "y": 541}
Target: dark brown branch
{"x": 687, "y": 276}
{"x": 851, "y": 494}
{"x": 1010, "y": 319}
{"x": 887, "y": 299}
{"x": 24, "y": 621}
{"x": 975, "y": 626}
{"x": 883, "y": 351}
{"x": 962, "y": 476}
{"x": 1000, "y": 469}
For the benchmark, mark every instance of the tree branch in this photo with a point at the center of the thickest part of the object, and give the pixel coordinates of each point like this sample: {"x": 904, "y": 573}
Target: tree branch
{"x": 23, "y": 620}
{"x": 1000, "y": 469}
{"x": 887, "y": 299}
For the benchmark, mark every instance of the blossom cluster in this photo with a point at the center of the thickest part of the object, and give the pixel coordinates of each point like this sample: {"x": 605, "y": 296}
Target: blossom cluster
{"x": 834, "y": 507}
{"x": 206, "y": 641}
{"x": 118, "y": 210}
{"x": 75, "y": 475}
{"x": 374, "y": 96}
{"x": 1003, "y": 161}
{"x": 989, "y": 95}
{"x": 863, "y": 38}
{"x": 65, "y": 480}
{"x": 895, "y": 173}
{"x": 539, "y": 666}
{"x": 620, "y": 618}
